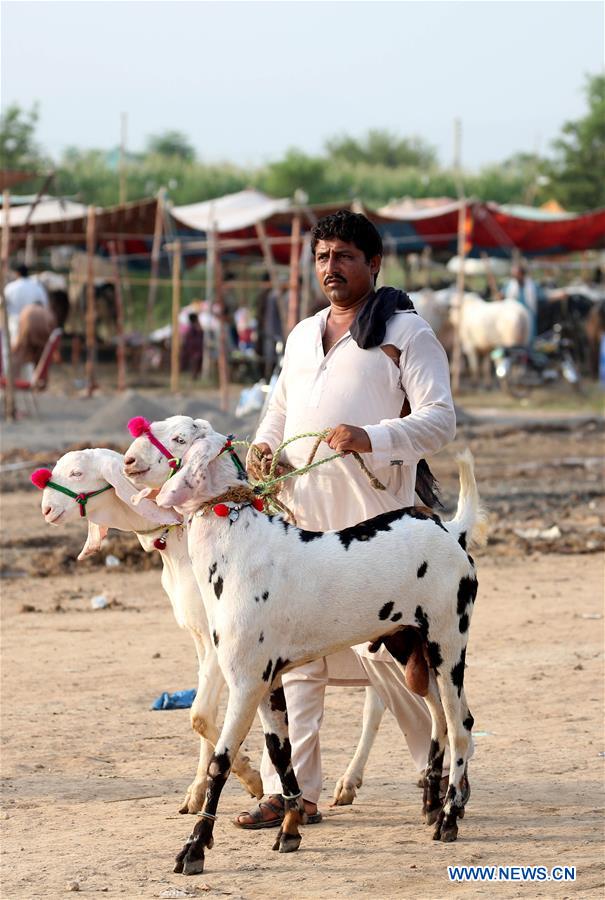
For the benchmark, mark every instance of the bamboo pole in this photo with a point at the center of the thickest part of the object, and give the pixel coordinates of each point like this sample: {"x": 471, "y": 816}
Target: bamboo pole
{"x": 208, "y": 359}
{"x": 175, "y": 341}
{"x": 267, "y": 255}
{"x": 158, "y": 231}
{"x": 459, "y": 295}
{"x": 90, "y": 302}
{"x": 293, "y": 294}
{"x": 122, "y": 165}
{"x": 307, "y": 272}
{"x": 120, "y": 348}
{"x": 223, "y": 359}
{"x": 10, "y": 409}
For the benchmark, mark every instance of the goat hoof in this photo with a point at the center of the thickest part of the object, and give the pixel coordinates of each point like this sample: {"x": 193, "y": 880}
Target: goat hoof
{"x": 288, "y": 843}
{"x": 344, "y": 793}
{"x": 193, "y": 866}
{"x": 276, "y": 842}
{"x": 461, "y": 813}
{"x": 448, "y": 835}
{"x": 431, "y": 815}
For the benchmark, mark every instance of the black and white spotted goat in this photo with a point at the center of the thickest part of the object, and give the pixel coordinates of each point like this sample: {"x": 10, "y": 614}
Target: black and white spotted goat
{"x": 282, "y": 596}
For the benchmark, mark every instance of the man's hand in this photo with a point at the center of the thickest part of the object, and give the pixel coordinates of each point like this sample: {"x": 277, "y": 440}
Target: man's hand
{"x": 258, "y": 461}
{"x": 346, "y": 438}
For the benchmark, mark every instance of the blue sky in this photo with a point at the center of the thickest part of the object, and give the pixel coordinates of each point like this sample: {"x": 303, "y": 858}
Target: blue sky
{"x": 246, "y": 80}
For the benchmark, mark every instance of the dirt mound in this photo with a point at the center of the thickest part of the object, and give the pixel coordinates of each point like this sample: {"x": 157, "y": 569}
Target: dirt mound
{"x": 116, "y": 413}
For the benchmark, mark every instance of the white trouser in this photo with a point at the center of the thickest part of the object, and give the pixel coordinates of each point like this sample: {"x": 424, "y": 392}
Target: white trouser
{"x": 305, "y": 687}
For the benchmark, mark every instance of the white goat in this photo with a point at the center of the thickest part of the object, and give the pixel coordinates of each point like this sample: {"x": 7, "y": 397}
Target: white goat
{"x": 282, "y": 596}
{"x": 147, "y": 466}
{"x": 87, "y": 471}
{"x": 485, "y": 326}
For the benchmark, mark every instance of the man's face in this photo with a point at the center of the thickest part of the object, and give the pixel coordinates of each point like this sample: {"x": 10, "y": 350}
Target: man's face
{"x": 344, "y": 274}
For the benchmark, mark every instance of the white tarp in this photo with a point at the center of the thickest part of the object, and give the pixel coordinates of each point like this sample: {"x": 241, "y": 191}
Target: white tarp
{"x": 419, "y": 209}
{"x": 229, "y": 213}
{"x": 49, "y": 209}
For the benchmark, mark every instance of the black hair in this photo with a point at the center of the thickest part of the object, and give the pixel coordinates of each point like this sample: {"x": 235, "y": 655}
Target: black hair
{"x": 353, "y": 228}
{"x": 23, "y": 271}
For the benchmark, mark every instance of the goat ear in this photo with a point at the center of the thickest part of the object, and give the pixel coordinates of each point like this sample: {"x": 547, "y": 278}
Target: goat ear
{"x": 110, "y": 468}
{"x": 202, "y": 428}
{"x": 96, "y": 534}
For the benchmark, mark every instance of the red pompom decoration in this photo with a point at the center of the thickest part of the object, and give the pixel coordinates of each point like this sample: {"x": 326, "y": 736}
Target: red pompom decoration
{"x": 40, "y": 478}
{"x": 138, "y": 426}
{"x": 160, "y": 543}
{"x": 258, "y": 504}
{"x": 221, "y": 510}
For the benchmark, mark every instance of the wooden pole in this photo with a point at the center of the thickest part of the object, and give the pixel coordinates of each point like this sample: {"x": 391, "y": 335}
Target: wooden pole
{"x": 491, "y": 278}
{"x": 223, "y": 359}
{"x": 307, "y": 272}
{"x": 208, "y": 359}
{"x": 122, "y": 167}
{"x": 267, "y": 255}
{"x": 458, "y": 298}
{"x": 90, "y": 302}
{"x": 120, "y": 348}
{"x": 10, "y": 409}
{"x": 293, "y": 294}
{"x": 175, "y": 342}
{"x": 158, "y": 231}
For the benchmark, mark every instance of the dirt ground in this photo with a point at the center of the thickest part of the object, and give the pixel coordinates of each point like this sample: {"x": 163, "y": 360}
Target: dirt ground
{"x": 92, "y": 779}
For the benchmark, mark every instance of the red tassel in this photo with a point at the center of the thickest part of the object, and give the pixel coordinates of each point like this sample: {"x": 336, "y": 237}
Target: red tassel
{"x": 173, "y": 463}
{"x": 160, "y": 543}
{"x": 40, "y": 478}
{"x": 258, "y": 504}
{"x": 138, "y": 426}
{"x": 221, "y": 510}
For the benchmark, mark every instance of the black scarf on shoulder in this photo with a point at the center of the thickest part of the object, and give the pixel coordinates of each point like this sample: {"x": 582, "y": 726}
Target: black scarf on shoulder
{"x": 368, "y": 330}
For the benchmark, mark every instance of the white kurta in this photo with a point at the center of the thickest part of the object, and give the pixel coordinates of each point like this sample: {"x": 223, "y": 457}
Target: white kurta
{"x": 364, "y": 388}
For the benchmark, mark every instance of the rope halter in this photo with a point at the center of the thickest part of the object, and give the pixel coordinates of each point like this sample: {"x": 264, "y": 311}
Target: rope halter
{"x": 138, "y": 426}
{"x": 41, "y": 479}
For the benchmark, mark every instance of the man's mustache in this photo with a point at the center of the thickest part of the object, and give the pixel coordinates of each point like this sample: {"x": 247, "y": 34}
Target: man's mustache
{"x": 330, "y": 278}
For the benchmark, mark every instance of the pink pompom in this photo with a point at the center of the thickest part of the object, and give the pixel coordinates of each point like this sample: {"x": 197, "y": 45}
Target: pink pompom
{"x": 40, "y": 478}
{"x": 138, "y": 426}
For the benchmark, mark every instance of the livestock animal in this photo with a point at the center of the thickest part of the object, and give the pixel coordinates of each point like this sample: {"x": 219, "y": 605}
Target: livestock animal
{"x": 148, "y": 463}
{"x": 282, "y": 596}
{"x": 485, "y": 326}
{"x": 86, "y": 471}
{"x": 434, "y": 307}
{"x": 34, "y": 328}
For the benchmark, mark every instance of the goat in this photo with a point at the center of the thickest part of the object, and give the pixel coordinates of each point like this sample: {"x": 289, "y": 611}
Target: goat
{"x": 147, "y": 467}
{"x": 86, "y": 471}
{"x": 282, "y": 596}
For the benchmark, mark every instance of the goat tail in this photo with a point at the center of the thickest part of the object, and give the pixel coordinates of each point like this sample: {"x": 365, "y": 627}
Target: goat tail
{"x": 470, "y": 515}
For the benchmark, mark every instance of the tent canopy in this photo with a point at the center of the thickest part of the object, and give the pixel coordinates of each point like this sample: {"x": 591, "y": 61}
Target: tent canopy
{"x": 232, "y": 212}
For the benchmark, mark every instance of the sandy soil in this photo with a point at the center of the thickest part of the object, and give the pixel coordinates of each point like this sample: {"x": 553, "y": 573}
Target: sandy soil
{"x": 92, "y": 779}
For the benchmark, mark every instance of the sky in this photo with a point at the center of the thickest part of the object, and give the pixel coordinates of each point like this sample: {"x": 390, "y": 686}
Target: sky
{"x": 247, "y": 80}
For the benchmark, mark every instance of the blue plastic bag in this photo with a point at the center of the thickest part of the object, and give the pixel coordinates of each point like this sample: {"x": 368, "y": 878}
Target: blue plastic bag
{"x": 178, "y": 700}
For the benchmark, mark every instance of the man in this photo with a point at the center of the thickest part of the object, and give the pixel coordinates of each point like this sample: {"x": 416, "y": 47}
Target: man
{"x": 21, "y": 293}
{"x": 356, "y": 363}
{"x": 523, "y": 289}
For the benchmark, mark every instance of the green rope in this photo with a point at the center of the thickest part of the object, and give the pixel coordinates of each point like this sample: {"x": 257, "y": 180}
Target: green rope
{"x": 263, "y": 488}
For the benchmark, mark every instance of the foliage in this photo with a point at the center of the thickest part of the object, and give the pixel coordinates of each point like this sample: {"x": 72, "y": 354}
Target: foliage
{"x": 578, "y": 170}
{"x": 377, "y": 168}
{"x": 382, "y": 148}
{"x": 18, "y": 147}
{"x": 171, "y": 144}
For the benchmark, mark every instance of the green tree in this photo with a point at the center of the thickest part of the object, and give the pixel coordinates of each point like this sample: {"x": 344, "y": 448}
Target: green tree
{"x": 382, "y": 148}
{"x": 171, "y": 144}
{"x": 18, "y": 146}
{"x": 578, "y": 169}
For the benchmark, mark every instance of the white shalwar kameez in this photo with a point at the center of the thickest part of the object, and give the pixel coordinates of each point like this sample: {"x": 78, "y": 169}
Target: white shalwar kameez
{"x": 364, "y": 388}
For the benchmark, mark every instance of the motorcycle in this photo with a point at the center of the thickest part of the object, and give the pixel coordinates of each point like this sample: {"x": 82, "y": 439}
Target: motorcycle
{"x": 549, "y": 360}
